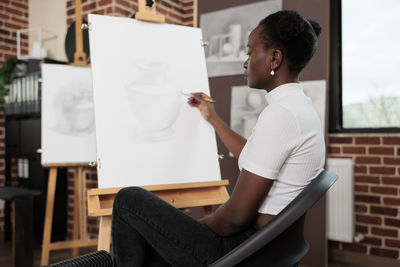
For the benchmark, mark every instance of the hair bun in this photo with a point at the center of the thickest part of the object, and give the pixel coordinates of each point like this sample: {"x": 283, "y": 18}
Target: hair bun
{"x": 316, "y": 27}
{"x": 295, "y": 35}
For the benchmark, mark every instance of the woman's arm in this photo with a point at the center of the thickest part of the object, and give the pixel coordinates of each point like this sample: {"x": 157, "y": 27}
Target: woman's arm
{"x": 242, "y": 207}
{"x": 232, "y": 140}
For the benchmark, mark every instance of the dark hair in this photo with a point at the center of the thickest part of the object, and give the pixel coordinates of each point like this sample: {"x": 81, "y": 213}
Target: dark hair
{"x": 295, "y": 35}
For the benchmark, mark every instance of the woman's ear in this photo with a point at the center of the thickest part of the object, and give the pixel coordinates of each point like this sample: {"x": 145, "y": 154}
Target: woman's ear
{"x": 276, "y": 58}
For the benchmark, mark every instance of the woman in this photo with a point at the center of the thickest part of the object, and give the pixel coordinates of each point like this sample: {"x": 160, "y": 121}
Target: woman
{"x": 284, "y": 153}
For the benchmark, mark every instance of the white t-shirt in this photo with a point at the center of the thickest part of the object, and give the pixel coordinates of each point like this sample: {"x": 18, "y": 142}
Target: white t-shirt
{"x": 286, "y": 145}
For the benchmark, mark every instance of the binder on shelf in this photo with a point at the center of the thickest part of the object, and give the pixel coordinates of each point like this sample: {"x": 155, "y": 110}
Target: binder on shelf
{"x": 24, "y": 95}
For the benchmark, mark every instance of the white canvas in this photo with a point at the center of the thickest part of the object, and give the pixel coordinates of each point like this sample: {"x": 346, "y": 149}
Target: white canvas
{"x": 67, "y": 115}
{"x": 146, "y": 133}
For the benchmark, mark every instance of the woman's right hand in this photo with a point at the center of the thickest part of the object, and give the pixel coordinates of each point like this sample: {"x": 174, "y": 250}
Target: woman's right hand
{"x": 232, "y": 140}
{"x": 206, "y": 109}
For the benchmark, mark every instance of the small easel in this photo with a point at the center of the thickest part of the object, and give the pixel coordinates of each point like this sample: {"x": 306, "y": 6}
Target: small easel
{"x": 80, "y": 230}
{"x": 184, "y": 195}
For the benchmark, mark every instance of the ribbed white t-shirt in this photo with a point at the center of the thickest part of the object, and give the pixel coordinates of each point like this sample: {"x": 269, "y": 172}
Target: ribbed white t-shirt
{"x": 286, "y": 145}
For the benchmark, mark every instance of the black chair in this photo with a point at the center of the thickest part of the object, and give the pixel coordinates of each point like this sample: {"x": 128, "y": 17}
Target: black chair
{"x": 280, "y": 242}
{"x": 95, "y": 259}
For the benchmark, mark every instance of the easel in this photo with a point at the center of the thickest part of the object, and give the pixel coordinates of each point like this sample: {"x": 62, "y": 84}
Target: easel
{"x": 148, "y": 12}
{"x": 79, "y": 231}
{"x": 184, "y": 195}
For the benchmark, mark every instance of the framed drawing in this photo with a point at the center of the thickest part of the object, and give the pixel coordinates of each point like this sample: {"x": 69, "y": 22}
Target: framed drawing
{"x": 247, "y": 104}
{"x": 226, "y": 32}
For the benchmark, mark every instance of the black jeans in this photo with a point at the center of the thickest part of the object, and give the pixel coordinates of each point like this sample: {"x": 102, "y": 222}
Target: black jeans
{"x": 147, "y": 231}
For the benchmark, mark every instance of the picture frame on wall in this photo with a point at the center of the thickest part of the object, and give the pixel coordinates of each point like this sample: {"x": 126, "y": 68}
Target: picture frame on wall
{"x": 247, "y": 105}
{"x": 226, "y": 32}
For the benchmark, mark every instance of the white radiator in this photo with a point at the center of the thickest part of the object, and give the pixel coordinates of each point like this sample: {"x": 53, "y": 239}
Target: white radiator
{"x": 340, "y": 201}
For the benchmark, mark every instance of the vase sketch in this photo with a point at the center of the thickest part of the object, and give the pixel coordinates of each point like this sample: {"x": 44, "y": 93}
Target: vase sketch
{"x": 73, "y": 106}
{"x": 154, "y": 101}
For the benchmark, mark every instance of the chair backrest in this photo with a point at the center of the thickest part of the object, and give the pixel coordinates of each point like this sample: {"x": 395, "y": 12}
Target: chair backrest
{"x": 281, "y": 241}
{"x": 99, "y": 258}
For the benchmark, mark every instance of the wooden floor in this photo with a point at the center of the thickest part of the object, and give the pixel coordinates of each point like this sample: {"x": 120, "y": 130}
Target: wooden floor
{"x": 55, "y": 256}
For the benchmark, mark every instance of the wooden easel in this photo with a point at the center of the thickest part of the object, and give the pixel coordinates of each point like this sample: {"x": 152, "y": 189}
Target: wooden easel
{"x": 184, "y": 195}
{"x": 79, "y": 231}
{"x": 80, "y": 238}
{"x": 79, "y": 55}
{"x": 148, "y": 13}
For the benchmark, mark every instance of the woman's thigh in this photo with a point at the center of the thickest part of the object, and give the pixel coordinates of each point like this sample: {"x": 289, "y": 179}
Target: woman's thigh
{"x": 177, "y": 237}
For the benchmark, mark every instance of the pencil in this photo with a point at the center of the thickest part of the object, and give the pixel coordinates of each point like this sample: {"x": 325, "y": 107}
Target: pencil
{"x": 208, "y": 99}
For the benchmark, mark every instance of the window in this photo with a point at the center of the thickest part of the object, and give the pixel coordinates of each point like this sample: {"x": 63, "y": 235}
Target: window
{"x": 365, "y": 66}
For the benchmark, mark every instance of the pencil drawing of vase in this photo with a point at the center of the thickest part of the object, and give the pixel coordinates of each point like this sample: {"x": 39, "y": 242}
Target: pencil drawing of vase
{"x": 73, "y": 105}
{"x": 154, "y": 101}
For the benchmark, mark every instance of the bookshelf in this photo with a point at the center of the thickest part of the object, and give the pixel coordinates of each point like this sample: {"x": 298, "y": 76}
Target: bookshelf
{"x": 22, "y": 112}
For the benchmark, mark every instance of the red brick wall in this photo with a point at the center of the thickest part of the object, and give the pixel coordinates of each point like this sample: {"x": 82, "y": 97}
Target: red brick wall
{"x": 175, "y": 12}
{"x": 13, "y": 16}
{"x": 377, "y": 190}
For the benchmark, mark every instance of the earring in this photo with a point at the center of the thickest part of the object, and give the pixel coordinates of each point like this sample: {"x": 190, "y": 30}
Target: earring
{"x": 272, "y": 72}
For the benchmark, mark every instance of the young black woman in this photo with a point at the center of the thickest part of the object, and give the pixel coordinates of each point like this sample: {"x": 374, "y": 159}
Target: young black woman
{"x": 284, "y": 153}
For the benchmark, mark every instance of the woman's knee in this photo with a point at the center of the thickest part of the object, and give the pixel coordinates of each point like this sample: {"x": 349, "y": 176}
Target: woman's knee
{"x": 130, "y": 196}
